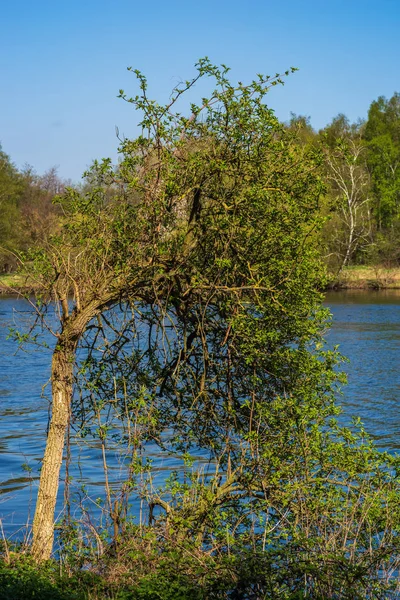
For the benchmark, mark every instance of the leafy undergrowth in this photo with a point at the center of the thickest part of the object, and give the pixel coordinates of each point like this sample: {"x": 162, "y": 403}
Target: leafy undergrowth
{"x": 139, "y": 570}
{"x": 22, "y": 579}
{"x": 149, "y": 569}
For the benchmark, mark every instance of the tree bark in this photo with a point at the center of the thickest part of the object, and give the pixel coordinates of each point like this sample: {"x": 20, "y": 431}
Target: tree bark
{"x": 62, "y": 376}
{"x": 62, "y": 370}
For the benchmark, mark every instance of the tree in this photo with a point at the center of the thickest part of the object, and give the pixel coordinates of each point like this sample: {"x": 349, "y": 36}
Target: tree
{"x": 345, "y": 158}
{"x": 187, "y": 283}
{"x": 38, "y": 214}
{"x": 27, "y": 213}
{"x": 382, "y": 132}
{"x": 301, "y": 124}
{"x": 203, "y": 215}
{"x": 10, "y": 191}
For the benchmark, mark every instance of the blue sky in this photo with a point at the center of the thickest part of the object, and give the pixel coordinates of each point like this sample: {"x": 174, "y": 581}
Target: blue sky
{"x": 62, "y": 64}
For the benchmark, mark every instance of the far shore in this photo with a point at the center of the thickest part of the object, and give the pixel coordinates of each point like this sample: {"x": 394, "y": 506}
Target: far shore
{"x": 17, "y": 284}
{"x": 366, "y": 278}
{"x": 351, "y": 278}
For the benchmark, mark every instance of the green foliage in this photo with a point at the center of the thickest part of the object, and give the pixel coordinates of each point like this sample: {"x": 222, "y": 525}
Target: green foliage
{"x": 21, "y": 579}
{"x": 382, "y": 131}
{"x": 30, "y": 211}
{"x": 374, "y": 215}
{"x": 10, "y": 190}
{"x": 27, "y": 215}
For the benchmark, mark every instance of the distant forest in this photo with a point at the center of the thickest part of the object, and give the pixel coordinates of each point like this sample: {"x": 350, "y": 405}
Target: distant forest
{"x": 360, "y": 208}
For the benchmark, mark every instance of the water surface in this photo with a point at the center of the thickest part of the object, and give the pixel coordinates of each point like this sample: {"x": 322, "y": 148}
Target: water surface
{"x": 366, "y": 326}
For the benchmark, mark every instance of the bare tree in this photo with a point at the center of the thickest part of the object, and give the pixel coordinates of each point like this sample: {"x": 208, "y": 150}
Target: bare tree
{"x": 349, "y": 186}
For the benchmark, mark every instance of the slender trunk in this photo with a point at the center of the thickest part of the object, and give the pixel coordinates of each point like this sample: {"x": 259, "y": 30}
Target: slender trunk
{"x": 61, "y": 380}
{"x": 348, "y": 251}
{"x": 62, "y": 370}
{"x": 350, "y": 239}
{"x": 43, "y": 523}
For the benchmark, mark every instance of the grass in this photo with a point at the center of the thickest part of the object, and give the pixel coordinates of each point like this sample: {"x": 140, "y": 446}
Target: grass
{"x": 15, "y": 282}
{"x": 354, "y": 277}
{"x": 367, "y": 277}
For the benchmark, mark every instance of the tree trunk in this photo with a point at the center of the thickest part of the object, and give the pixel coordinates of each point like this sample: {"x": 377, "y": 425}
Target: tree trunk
{"x": 61, "y": 377}
{"x": 62, "y": 370}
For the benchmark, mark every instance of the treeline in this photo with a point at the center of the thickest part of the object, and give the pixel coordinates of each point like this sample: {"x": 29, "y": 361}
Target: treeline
{"x": 27, "y": 212}
{"x": 359, "y": 163}
{"x": 361, "y": 169}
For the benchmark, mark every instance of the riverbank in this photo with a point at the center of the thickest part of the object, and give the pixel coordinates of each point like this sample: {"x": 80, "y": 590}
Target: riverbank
{"x": 16, "y": 283}
{"x": 351, "y": 278}
{"x": 366, "y": 278}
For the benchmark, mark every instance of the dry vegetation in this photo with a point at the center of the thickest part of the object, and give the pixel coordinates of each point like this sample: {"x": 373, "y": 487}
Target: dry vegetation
{"x": 364, "y": 277}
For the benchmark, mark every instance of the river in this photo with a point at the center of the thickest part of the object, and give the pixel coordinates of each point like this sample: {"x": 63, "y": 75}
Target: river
{"x": 366, "y": 326}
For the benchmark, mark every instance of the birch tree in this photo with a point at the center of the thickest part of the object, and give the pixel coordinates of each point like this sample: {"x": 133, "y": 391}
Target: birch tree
{"x": 349, "y": 189}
